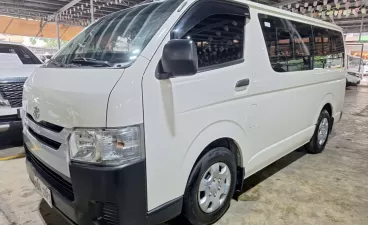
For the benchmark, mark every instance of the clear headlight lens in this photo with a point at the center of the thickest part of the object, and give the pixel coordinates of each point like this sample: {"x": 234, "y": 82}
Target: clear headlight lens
{"x": 107, "y": 147}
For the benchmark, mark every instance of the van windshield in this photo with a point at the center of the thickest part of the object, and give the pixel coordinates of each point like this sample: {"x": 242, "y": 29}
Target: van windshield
{"x": 116, "y": 40}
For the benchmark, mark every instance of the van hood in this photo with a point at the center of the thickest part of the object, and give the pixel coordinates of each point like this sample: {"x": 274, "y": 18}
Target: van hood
{"x": 20, "y": 71}
{"x": 70, "y": 97}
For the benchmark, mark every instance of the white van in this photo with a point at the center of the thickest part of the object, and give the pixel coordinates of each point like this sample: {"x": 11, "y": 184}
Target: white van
{"x": 166, "y": 107}
{"x": 355, "y": 70}
{"x": 17, "y": 63}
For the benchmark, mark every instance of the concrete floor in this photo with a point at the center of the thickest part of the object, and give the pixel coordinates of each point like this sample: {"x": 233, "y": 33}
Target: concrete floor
{"x": 299, "y": 189}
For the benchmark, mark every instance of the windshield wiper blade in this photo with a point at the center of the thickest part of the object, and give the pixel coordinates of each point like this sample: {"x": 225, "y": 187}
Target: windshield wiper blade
{"x": 59, "y": 64}
{"x": 92, "y": 62}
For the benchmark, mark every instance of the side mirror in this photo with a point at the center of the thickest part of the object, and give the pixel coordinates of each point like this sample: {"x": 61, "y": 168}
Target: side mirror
{"x": 179, "y": 58}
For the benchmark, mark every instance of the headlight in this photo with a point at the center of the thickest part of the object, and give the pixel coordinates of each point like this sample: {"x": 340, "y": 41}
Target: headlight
{"x": 107, "y": 146}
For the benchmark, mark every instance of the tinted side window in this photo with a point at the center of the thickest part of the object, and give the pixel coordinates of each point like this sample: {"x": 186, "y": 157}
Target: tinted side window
{"x": 289, "y": 44}
{"x": 322, "y": 47}
{"x": 337, "y": 50}
{"x": 329, "y": 48}
{"x": 219, "y": 39}
{"x": 26, "y": 56}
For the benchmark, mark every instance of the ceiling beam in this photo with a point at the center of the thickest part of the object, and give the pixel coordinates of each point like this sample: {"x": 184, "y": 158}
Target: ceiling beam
{"x": 67, "y": 6}
{"x": 287, "y": 2}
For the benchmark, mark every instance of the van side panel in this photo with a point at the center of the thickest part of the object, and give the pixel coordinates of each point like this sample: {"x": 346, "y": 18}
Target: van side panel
{"x": 288, "y": 103}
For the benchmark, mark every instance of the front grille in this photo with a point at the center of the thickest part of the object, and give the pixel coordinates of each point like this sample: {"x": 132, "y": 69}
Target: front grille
{"x": 12, "y": 92}
{"x": 110, "y": 213}
{"x": 46, "y": 125}
{"x": 45, "y": 140}
{"x": 55, "y": 180}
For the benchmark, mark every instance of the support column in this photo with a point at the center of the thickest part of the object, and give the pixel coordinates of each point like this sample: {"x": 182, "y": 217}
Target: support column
{"x": 92, "y": 12}
{"x": 361, "y": 28}
{"x": 57, "y": 30}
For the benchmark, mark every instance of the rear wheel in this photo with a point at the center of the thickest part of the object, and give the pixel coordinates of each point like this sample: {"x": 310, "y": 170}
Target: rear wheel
{"x": 318, "y": 142}
{"x": 210, "y": 187}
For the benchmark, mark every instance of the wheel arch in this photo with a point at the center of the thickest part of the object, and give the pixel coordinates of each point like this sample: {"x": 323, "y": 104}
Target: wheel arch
{"x": 326, "y": 103}
{"x": 220, "y": 134}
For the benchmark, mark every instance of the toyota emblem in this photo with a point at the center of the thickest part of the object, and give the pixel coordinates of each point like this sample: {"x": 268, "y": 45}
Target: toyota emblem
{"x": 36, "y": 113}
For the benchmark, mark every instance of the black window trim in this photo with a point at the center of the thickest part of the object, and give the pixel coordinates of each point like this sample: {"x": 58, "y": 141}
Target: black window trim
{"x": 235, "y": 5}
{"x": 314, "y": 45}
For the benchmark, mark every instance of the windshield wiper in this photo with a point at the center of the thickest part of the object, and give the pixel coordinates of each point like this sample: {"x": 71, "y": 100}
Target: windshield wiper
{"x": 59, "y": 64}
{"x": 92, "y": 62}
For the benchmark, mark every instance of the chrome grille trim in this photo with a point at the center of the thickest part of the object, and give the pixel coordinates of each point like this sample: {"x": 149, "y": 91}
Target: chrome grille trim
{"x": 57, "y": 159}
{"x": 61, "y": 137}
{"x": 11, "y": 89}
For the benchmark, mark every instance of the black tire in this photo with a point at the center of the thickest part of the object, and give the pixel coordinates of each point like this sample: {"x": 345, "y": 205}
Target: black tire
{"x": 191, "y": 209}
{"x": 313, "y": 146}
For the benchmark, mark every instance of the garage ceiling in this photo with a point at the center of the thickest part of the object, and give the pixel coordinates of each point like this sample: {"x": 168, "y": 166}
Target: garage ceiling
{"x": 345, "y": 13}
{"x": 75, "y": 12}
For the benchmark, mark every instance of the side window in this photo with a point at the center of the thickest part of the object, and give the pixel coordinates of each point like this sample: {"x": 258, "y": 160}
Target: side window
{"x": 217, "y": 28}
{"x": 336, "y": 58}
{"x": 322, "y": 47}
{"x": 7, "y": 49}
{"x": 26, "y": 56}
{"x": 329, "y": 48}
{"x": 219, "y": 39}
{"x": 289, "y": 44}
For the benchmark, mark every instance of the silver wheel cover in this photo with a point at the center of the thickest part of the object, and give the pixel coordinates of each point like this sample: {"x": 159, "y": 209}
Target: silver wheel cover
{"x": 214, "y": 187}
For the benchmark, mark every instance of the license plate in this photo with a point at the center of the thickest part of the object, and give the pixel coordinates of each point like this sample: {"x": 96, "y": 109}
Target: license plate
{"x": 43, "y": 190}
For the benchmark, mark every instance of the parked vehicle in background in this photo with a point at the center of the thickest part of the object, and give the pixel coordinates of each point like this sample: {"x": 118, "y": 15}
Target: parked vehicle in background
{"x": 164, "y": 108}
{"x": 355, "y": 70}
{"x": 365, "y": 72}
{"x": 17, "y": 63}
{"x": 45, "y": 58}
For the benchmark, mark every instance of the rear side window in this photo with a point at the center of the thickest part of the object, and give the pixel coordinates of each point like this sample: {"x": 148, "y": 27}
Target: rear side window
{"x": 294, "y": 46}
{"x": 289, "y": 44}
{"x": 329, "y": 48}
{"x": 25, "y": 55}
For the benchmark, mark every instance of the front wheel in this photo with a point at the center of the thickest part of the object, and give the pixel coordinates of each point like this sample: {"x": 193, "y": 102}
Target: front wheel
{"x": 318, "y": 142}
{"x": 210, "y": 187}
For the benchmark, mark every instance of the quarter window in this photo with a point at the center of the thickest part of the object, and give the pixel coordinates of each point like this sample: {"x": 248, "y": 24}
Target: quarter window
{"x": 329, "y": 48}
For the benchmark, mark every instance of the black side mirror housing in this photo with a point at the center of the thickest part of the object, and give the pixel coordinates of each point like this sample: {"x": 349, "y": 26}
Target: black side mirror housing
{"x": 179, "y": 58}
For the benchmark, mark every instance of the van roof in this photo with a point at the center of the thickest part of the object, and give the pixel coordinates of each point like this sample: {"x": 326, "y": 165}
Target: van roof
{"x": 284, "y": 13}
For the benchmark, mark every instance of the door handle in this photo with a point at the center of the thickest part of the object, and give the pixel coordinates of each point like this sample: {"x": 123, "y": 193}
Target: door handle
{"x": 242, "y": 83}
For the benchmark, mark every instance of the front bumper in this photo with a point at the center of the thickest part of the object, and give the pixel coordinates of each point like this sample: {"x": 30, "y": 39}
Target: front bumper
{"x": 101, "y": 195}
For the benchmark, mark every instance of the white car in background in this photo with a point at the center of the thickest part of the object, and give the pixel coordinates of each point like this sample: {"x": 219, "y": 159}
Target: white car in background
{"x": 17, "y": 63}
{"x": 355, "y": 70}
